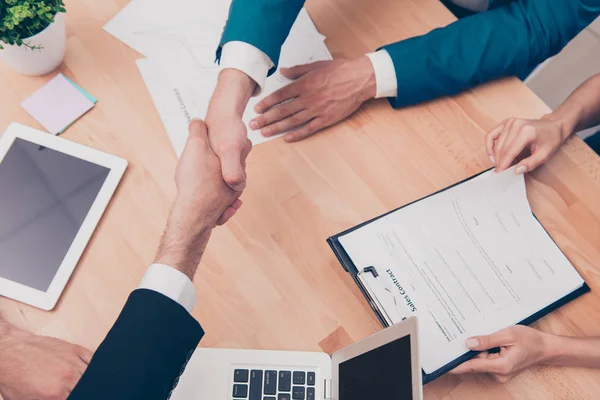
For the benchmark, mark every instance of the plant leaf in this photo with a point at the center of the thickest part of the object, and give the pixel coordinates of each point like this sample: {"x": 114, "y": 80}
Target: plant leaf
{"x": 25, "y": 18}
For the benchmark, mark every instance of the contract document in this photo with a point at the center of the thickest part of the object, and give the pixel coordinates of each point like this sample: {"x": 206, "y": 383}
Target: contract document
{"x": 180, "y": 70}
{"x": 469, "y": 260}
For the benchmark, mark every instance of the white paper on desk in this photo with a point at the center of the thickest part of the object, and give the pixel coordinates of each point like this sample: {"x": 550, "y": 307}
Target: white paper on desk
{"x": 194, "y": 27}
{"x": 175, "y": 104}
{"x": 182, "y": 79}
{"x": 154, "y": 30}
{"x": 468, "y": 261}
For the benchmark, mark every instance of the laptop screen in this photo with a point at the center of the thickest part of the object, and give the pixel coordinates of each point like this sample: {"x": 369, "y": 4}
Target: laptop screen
{"x": 382, "y": 373}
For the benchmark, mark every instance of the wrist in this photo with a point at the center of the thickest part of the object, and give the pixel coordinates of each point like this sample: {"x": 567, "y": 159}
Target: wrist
{"x": 5, "y": 332}
{"x": 565, "y": 125}
{"x": 553, "y": 348}
{"x": 185, "y": 238}
{"x": 234, "y": 89}
{"x": 5, "y": 329}
{"x": 182, "y": 255}
{"x": 367, "y": 82}
{"x": 8, "y": 335}
{"x": 186, "y": 215}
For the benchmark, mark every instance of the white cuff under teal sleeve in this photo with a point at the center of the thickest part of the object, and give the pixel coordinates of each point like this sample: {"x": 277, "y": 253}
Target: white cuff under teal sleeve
{"x": 248, "y": 59}
{"x": 385, "y": 74}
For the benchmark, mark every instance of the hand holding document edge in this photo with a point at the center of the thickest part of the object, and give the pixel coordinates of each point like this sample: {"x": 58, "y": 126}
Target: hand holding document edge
{"x": 443, "y": 357}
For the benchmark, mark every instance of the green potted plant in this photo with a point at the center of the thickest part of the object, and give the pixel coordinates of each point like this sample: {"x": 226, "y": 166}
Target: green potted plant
{"x": 32, "y": 35}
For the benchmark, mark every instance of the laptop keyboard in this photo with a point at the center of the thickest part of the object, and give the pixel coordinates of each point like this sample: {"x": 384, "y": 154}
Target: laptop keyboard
{"x": 257, "y": 384}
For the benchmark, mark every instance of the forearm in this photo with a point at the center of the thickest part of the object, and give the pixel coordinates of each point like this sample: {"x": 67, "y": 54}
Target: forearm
{"x": 506, "y": 41}
{"x": 6, "y": 343}
{"x": 4, "y": 328}
{"x": 581, "y": 110}
{"x": 184, "y": 240}
{"x": 5, "y": 331}
{"x": 232, "y": 93}
{"x": 573, "y": 351}
{"x": 144, "y": 353}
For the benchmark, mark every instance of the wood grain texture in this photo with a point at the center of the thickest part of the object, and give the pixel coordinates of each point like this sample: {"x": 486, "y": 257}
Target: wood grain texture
{"x": 268, "y": 280}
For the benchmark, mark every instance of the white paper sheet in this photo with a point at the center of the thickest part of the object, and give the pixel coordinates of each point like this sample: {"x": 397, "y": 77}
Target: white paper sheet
{"x": 180, "y": 71}
{"x": 175, "y": 105}
{"x": 468, "y": 261}
{"x": 156, "y": 30}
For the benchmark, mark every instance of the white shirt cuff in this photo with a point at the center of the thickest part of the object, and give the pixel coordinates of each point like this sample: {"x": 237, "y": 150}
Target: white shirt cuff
{"x": 248, "y": 59}
{"x": 171, "y": 283}
{"x": 385, "y": 74}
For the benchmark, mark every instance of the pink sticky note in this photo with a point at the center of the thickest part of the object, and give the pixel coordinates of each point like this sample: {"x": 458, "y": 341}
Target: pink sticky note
{"x": 57, "y": 104}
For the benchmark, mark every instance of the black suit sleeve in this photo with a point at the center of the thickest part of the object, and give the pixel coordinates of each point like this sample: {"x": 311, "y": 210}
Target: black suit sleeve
{"x": 144, "y": 353}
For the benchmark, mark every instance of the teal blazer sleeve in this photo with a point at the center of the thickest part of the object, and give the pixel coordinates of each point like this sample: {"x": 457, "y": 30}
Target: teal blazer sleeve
{"x": 505, "y": 41}
{"x": 265, "y": 24}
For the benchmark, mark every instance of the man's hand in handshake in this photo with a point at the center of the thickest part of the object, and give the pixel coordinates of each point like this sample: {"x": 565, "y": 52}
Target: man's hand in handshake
{"x": 227, "y": 132}
{"x": 203, "y": 200}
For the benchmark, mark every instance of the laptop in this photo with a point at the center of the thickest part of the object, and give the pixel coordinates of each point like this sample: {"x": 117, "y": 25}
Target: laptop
{"x": 383, "y": 366}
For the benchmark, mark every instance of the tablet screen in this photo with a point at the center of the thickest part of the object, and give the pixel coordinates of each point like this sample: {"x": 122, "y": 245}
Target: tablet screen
{"x": 45, "y": 196}
{"x": 382, "y": 373}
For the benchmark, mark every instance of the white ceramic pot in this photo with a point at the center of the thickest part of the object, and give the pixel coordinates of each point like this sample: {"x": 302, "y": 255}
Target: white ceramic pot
{"x": 52, "y": 42}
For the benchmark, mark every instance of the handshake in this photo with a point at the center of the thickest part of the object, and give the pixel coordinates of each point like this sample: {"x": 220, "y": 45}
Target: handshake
{"x": 38, "y": 367}
{"x": 204, "y": 198}
{"x": 210, "y": 178}
{"x": 209, "y": 184}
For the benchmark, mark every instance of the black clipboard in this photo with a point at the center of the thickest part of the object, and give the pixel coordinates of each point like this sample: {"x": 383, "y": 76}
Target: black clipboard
{"x": 349, "y": 267}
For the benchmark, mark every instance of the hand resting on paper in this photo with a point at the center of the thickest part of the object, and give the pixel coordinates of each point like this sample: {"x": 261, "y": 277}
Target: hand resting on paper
{"x": 323, "y": 93}
{"x": 522, "y": 347}
{"x": 542, "y": 138}
{"x": 513, "y": 136}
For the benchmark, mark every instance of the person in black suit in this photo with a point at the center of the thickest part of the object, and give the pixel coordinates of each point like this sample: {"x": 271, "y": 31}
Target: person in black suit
{"x": 155, "y": 335}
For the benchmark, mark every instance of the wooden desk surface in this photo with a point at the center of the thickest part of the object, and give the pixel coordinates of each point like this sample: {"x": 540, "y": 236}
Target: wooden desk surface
{"x": 268, "y": 280}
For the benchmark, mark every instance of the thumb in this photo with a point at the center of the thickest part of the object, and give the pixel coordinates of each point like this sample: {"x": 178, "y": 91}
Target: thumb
{"x": 232, "y": 166}
{"x": 481, "y": 365}
{"x": 526, "y": 140}
{"x": 198, "y": 129}
{"x": 299, "y": 70}
{"x": 533, "y": 161}
{"x": 84, "y": 354}
{"x": 501, "y": 338}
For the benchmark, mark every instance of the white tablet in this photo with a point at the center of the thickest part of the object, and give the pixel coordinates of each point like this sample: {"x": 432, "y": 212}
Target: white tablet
{"x": 52, "y": 195}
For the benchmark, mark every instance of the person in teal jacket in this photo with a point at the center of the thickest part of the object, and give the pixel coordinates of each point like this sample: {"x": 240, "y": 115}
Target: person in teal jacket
{"x": 501, "y": 38}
